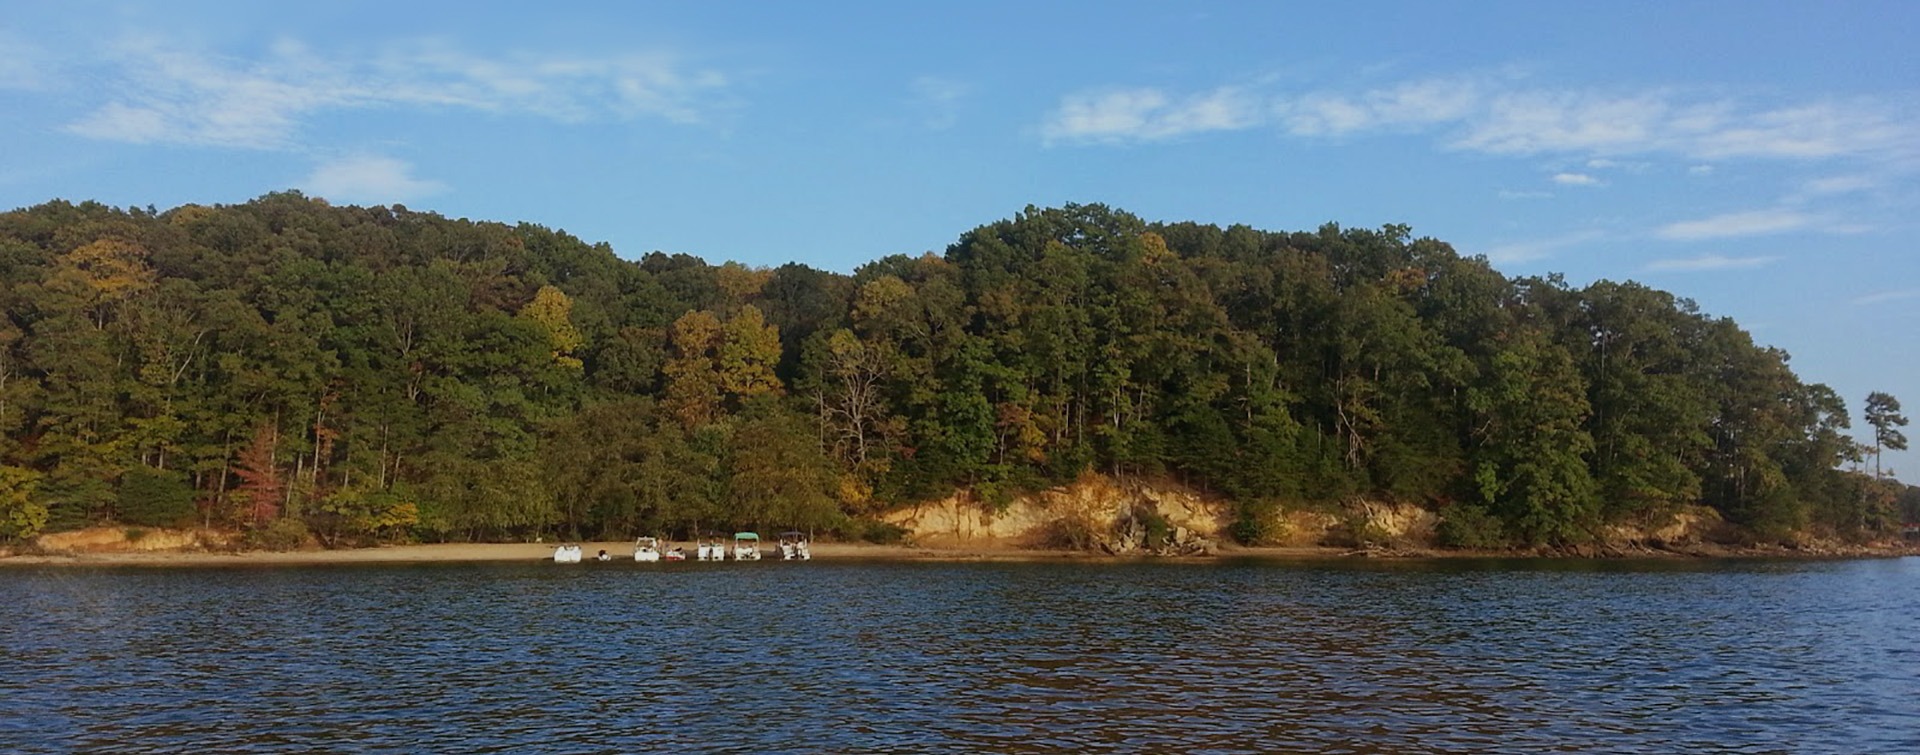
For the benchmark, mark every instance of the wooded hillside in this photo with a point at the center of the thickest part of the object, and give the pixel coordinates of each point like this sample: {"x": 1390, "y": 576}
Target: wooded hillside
{"x": 381, "y": 373}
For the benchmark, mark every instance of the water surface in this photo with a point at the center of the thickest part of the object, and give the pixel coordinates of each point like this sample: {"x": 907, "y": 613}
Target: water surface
{"x": 1195, "y": 656}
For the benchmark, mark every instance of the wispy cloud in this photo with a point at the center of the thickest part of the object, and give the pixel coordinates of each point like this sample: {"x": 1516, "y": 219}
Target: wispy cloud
{"x": 938, "y": 100}
{"x": 167, "y": 95}
{"x": 1883, "y": 297}
{"x": 21, "y": 64}
{"x": 369, "y": 180}
{"x": 1405, "y": 106}
{"x": 1735, "y": 224}
{"x": 1528, "y": 251}
{"x": 1147, "y": 115}
{"x": 1503, "y": 115}
{"x": 1514, "y": 194}
{"x": 1575, "y": 179}
{"x": 1708, "y": 263}
{"x": 1840, "y": 185}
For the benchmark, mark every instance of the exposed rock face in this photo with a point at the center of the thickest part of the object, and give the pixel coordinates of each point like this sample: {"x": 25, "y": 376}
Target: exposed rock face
{"x": 120, "y": 539}
{"x": 1094, "y": 513}
{"x": 1688, "y": 527}
{"x": 1402, "y": 523}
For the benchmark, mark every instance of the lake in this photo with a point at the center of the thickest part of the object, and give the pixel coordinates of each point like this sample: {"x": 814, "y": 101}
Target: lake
{"x": 1195, "y": 656}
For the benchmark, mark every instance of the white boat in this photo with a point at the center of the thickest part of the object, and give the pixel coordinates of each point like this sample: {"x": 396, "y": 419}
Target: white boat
{"x": 712, "y": 550}
{"x": 795, "y": 547}
{"x": 566, "y": 554}
{"x": 746, "y": 546}
{"x": 676, "y": 553}
{"x": 646, "y": 549}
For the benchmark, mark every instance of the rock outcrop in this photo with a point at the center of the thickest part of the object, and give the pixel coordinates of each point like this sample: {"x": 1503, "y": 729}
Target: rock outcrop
{"x": 123, "y": 539}
{"x": 1095, "y": 513}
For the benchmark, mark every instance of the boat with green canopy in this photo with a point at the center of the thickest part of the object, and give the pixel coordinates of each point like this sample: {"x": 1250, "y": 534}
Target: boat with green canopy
{"x": 746, "y": 546}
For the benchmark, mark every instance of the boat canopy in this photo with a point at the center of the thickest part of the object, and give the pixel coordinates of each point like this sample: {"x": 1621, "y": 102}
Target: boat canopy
{"x": 746, "y": 536}
{"x": 793, "y": 533}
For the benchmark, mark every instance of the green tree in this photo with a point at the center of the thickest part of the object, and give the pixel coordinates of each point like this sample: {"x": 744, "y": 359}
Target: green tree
{"x": 1883, "y": 413}
{"x": 1530, "y": 467}
{"x": 777, "y": 474}
{"x": 155, "y": 497}
{"x": 21, "y": 517}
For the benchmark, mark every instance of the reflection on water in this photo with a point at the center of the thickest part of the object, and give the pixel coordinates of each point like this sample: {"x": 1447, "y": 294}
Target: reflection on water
{"x": 1221, "y": 656}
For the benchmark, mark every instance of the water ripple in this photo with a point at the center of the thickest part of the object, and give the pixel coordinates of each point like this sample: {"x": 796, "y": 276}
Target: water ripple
{"x": 1218, "y": 657}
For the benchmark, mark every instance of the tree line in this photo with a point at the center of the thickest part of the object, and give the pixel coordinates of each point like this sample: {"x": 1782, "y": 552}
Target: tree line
{"x": 378, "y": 373}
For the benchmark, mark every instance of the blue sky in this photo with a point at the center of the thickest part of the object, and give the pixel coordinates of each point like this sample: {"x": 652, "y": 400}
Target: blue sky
{"x": 1758, "y": 157}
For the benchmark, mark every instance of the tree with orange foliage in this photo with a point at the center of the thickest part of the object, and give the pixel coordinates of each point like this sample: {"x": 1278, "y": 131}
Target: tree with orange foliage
{"x": 261, "y": 488}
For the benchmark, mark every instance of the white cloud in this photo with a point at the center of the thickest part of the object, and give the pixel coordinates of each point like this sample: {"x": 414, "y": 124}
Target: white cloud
{"x": 938, "y": 100}
{"x": 368, "y": 180}
{"x": 20, "y": 64}
{"x": 1808, "y": 131}
{"x": 1883, "y": 297}
{"x": 1146, "y": 115}
{"x": 1511, "y": 194}
{"x": 1409, "y": 105}
{"x": 1528, "y": 251}
{"x": 166, "y": 95}
{"x": 1501, "y": 115}
{"x": 1575, "y": 179}
{"x": 1532, "y": 122}
{"x": 1840, "y": 185}
{"x": 1735, "y": 224}
{"x": 1700, "y": 170}
{"x": 1629, "y": 166}
{"x": 1708, "y": 263}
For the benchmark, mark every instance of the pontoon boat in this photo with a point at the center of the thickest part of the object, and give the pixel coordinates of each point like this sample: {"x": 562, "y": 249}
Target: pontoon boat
{"x": 746, "y": 546}
{"x": 794, "y": 546}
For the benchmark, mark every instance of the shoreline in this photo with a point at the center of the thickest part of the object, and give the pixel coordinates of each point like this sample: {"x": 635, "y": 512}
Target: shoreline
{"x": 448, "y": 553}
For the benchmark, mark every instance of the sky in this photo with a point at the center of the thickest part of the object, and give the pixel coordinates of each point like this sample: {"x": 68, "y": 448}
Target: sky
{"x": 1757, "y": 157}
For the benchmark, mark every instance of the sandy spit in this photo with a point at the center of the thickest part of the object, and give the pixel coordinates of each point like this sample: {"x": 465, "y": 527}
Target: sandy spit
{"x": 623, "y": 552}
{"x": 619, "y": 551}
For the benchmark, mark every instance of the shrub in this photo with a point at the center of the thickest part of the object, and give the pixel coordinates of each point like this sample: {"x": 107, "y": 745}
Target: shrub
{"x": 881, "y": 532}
{"x": 1070, "y": 533}
{"x": 1255, "y": 523}
{"x": 282, "y": 535}
{"x": 1357, "y": 531}
{"x": 1471, "y": 526}
{"x": 1159, "y": 532}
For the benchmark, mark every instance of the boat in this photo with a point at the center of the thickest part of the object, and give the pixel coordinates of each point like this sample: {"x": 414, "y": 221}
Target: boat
{"x": 794, "y": 546}
{"x": 566, "y": 554}
{"x": 646, "y": 549}
{"x": 711, "y": 549}
{"x": 746, "y": 546}
{"x": 677, "y": 553}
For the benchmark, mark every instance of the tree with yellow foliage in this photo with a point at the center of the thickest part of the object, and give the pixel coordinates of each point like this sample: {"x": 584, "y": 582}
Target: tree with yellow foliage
{"x": 553, "y": 311}
{"x": 749, "y": 350}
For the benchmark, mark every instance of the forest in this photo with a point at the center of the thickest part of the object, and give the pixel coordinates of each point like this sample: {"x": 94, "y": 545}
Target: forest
{"x": 378, "y": 374}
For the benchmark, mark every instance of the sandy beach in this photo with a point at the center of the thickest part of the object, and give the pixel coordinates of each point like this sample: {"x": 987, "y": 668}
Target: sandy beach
{"x": 536, "y": 552}
{"x": 107, "y": 546}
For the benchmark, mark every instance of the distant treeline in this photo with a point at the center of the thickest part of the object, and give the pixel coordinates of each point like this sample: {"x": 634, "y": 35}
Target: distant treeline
{"x": 379, "y": 373}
